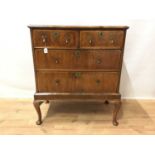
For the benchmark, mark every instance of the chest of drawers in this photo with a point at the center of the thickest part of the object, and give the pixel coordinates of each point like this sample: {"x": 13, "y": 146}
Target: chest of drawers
{"x": 73, "y": 62}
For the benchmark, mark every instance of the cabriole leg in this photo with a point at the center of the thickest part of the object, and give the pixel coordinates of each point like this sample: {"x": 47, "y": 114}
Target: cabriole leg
{"x": 117, "y": 106}
{"x": 37, "y": 104}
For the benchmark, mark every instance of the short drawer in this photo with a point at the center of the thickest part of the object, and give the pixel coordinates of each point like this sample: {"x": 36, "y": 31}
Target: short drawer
{"x": 78, "y": 59}
{"x": 103, "y": 82}
{"x": 104, "y": 39}
{"x": 55, "y": 38}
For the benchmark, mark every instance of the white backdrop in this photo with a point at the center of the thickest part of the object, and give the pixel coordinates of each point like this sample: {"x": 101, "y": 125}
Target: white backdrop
{"x": 16, "y": 66}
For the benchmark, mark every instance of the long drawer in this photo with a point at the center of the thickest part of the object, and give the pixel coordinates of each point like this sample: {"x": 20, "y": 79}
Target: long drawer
{"x": 105, "y": 82}
{"x": 78, "y": 59}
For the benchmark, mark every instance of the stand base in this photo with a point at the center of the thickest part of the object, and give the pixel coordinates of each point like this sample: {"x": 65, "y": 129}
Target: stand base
{"x": 114, "y": 98}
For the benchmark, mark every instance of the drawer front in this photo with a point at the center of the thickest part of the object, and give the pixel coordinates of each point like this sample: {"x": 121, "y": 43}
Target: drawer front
{"x": 78, "y": 59}
{"x": 103, "y": 82}
{"x": 104, "y": 39}
{"x": 55, "y": 38}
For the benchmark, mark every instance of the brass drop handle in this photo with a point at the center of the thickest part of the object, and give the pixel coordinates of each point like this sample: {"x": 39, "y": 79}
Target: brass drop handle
{"x": 77, "y": 53}
{"x": 90, "y": 41}
{"x": 111, "y": 41}
{"x": 57, "y": 82}
{"x": 77, "y": 74}
{"x": 98, "y": 61}
{"x": 44, "y": 40}
{"x": 67, "y": 41}
{"x": 44, "y": 37}
{"x": 98, "y": 81}
{"x": 56, "y": 61}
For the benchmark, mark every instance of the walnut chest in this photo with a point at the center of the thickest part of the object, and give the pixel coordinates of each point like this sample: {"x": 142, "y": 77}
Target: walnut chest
{"x": 78, "y": 62}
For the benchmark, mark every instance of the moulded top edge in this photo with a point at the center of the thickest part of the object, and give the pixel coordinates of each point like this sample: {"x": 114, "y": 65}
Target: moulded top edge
{"x": 76, "y": 27}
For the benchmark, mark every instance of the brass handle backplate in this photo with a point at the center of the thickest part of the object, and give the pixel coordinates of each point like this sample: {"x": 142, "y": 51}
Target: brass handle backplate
{"x": 100, "y": 34}
{"x": 55, "y": 35}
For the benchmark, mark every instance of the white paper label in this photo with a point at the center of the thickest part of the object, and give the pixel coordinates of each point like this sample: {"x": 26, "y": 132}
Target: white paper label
{"x": 45, "y": 50}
